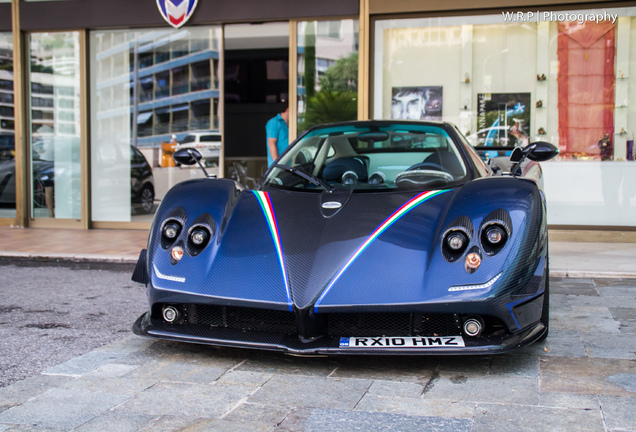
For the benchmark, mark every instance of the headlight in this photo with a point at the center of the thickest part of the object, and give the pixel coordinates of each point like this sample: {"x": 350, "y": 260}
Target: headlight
{"x": 456, "y": 238}
{"x": 171, "y": 230}
{"x": 495, "y": 231}
{"x": 199, "y": 236}
{"x": 494, "y": 234}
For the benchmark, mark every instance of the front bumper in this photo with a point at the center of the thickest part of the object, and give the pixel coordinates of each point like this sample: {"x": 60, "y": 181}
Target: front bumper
{"x": 292, "y": 344}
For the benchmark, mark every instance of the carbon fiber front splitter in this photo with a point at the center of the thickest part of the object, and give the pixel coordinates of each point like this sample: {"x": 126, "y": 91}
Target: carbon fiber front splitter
{"x": 219, "y": 336}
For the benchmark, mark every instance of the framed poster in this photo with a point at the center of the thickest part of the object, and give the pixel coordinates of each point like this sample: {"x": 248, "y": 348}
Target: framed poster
{"x": 417, "y": 103}
{"x": 503, "y": 119}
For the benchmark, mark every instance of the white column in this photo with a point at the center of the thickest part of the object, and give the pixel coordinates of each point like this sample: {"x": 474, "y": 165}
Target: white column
{"x": 466, "y": 116}
{"x": 621, "y": 96}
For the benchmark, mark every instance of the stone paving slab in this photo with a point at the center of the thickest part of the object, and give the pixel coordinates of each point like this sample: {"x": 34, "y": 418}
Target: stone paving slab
{"x": 619, "y": 412}
{"x": 320, "y": 420}
{"x": 417, "y": 406}
{"x": 583, "y": 377}
{"x": 510, "y": 418}
{"x": 611, "y": 377}
{"x": 488, "y": 388}
{"x": 303, "y": 391}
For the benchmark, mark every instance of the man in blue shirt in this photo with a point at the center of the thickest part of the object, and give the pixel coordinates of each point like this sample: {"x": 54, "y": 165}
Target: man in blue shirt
{"x": 277, "y": 131}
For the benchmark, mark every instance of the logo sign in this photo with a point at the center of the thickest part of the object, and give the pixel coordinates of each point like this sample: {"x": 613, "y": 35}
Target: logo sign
{"x": 176, "y": 12}
{"x": 331, "y": 205}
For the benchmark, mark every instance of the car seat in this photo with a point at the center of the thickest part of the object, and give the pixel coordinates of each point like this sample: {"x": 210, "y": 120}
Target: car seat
{"x": 335, "y": 169}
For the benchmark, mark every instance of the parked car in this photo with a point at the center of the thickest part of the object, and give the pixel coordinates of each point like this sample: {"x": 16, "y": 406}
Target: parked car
{"x": 369, "y": 237}
{"x": 142, "y": 186}
{"x": 206, "y": 143}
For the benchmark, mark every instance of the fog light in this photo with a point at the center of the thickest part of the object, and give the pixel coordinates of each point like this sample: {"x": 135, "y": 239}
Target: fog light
{"x": 171, "y": 231}
{"x": 177, "y": 253}
{"x": 494, "y": 235}
{"x": 473, "y": 261}
{"x": 473, "y": 327}
{"x": 199, "y": 237}
{"x": 170, "y": 314}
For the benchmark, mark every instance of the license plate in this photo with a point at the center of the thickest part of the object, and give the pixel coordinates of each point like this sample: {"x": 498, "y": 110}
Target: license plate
{"x": 402, "y": 342}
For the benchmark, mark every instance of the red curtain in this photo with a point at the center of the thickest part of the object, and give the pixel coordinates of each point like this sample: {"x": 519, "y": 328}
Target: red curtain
{"x": 586, "y": 83}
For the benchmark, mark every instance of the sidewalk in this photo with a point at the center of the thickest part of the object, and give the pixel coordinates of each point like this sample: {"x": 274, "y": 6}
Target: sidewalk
{"x": 567, "y": 259}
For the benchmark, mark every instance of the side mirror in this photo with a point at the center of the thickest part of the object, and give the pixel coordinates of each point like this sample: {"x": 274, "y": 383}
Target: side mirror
{"x": 189, "y": 156}
{"x": 542, "y": 151}
{"x": 186, "y": 156}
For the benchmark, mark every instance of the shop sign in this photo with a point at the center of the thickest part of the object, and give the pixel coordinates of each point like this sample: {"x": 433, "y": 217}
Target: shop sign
{"x": 176, "y": 12}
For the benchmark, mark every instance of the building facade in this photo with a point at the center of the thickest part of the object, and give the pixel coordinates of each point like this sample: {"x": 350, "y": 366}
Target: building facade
{"x": 94, "y": 96}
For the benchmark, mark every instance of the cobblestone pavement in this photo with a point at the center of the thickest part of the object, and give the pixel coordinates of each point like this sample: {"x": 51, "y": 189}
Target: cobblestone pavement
{"x": 582, "y": 378}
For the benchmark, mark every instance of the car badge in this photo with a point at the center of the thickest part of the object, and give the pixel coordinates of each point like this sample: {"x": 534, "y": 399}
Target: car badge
{"x": 331, "y": 205}
{"x": 176, "y": 12}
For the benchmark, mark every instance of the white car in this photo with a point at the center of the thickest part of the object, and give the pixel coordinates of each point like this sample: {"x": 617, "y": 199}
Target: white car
{"x": 206, "y": 143}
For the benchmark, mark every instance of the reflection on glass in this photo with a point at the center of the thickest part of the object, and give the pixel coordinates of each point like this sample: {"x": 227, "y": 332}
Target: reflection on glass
{"x": 327, "y": 72}
{"x": 7, "y": 139}
{"x": 55, "y": 126}
{"x": 149, "y": 90}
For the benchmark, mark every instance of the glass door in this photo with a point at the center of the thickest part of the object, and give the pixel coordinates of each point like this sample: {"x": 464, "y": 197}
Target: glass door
{"x": 327, "y": 72}
{"x": 55, "y": 163}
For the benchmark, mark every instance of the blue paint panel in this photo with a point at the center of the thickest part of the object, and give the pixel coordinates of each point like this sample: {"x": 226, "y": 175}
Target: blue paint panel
{"x": 239, "y": 263}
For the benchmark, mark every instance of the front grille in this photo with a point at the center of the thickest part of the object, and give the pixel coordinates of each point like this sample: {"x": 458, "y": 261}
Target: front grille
{"x": 241, "y": 318}
{"x": 392, "y": 324}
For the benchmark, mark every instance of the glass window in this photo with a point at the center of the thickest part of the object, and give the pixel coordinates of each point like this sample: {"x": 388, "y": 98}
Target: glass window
{"x": 139, "y": 117}
{"x": 7, "y": 138}
{"x": 327, "y": 72}
{"x": 55, "y": 134}
{"x": 507, "y": 80}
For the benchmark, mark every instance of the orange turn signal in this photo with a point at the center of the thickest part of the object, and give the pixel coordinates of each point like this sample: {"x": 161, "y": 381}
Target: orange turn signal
{"x": 473, "y": 261}
{"x": 177, "y": 253}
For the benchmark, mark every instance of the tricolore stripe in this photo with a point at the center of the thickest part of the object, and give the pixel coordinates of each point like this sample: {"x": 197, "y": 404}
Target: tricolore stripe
{"x": 270, "y": 217}
{"x": 388, "y": 222}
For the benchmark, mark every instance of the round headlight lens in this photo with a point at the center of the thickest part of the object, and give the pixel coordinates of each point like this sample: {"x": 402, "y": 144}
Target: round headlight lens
{"x": 199, "y": 236}
{"x": 494, "y": 235}
{"x": 456, "y": 241}
{"x": 171, "y": 230}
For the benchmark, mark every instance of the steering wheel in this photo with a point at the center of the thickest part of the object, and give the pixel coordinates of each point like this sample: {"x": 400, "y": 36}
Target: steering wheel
{"x": 427, "y": 166}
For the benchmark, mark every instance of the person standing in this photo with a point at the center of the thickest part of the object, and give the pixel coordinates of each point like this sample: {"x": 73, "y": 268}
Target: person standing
{"x": 277, "y": 132}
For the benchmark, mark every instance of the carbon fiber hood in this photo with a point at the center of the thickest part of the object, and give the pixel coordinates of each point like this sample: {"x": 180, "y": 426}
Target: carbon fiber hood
{"x": 316, "y": 248}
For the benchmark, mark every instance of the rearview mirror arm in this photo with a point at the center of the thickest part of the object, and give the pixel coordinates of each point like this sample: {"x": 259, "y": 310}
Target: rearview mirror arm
{"x": 526, "y": 151}
{"x": 192, "y": 155}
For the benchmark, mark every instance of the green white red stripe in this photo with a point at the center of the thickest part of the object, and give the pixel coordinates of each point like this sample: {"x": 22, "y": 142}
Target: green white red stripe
{"x": 394, "y": 217}
{"x": 268, "y": 211}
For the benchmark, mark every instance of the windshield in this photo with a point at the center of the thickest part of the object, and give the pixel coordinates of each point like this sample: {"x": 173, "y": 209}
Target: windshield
{"x": 370, "y": 156}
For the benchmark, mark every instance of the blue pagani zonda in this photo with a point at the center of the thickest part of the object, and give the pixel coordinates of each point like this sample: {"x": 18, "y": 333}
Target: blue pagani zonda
{"x": 370, "y": 237}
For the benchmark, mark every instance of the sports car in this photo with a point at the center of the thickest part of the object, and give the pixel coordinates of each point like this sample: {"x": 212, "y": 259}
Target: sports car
{"x": 367, "y": 237}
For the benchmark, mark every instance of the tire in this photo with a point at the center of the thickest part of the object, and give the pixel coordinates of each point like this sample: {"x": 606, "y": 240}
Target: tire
{"x": 147, "y": 199}
{"x": 38, "y": 194}
{"x": 545, "y": 313}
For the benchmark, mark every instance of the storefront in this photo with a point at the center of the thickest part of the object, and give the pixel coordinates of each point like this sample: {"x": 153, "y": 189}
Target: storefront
{"x": 94, "y": 96}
